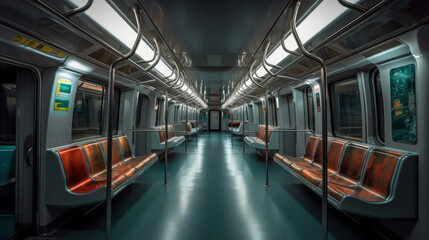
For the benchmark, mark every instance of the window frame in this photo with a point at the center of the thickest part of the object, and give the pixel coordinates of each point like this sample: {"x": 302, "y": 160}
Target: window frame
{"x": 310, "y": 124}
{"x": 331, "y": 95}
{"x": 376, "y": 110}
{"x": 103, "y": 109}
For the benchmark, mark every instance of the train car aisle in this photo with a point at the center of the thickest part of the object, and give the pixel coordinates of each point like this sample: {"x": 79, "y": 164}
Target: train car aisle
{"x": 215, "y": 193}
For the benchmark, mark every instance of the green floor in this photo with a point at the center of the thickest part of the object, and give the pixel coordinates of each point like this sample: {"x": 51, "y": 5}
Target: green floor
{"x": 216, "y": 192}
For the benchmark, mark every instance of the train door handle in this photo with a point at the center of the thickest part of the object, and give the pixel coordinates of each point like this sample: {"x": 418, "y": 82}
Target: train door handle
{"x": 27, "y": 157}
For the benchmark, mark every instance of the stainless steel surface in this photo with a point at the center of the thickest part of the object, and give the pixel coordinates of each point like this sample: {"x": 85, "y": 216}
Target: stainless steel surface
{"x": 110, "y": 101}
{"x": 324, "y": 88}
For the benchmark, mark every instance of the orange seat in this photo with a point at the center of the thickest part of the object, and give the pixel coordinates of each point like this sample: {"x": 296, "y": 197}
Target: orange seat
{"x": 313, "y": 174}
{"x": 117, "y": 163}
{"x": 297, "y": 163}
{"x": 76, "y": 172}
{"x": 377, "y": 178}
{"x": 96, "y": 164}
{"x": 128, "y": 158}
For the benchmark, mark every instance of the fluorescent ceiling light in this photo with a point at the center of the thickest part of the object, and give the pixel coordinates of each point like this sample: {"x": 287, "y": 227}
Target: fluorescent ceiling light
{"x": 325, "y": 13}
{"x": 105, "y": 16}
{"x": 184, "y": 88}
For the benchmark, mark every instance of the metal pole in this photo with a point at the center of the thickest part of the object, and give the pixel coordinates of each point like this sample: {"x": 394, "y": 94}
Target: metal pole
{"x": 186, "y": 129}
{"x": 324, "y": 83}
{"x": 242, "y": 136}
{"x": 232, "y": 119}
{"x": 166, "y": 138}
{"x": 266, "y": 140}
{"x": 110, "y": 100}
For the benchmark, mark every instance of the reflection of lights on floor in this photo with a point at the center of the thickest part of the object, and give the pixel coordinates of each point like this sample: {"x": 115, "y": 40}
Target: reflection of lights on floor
{"x": 240, "y": 187}
{"x": 186, "y": 184}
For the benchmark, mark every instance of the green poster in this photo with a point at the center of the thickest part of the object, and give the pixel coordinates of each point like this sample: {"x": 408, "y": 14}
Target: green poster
{"x": 403, "y": 104}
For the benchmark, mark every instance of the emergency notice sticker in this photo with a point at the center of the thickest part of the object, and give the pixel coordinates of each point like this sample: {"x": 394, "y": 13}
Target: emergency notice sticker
{"x": 38, "y": 46}
{"x": 62, "y": 95}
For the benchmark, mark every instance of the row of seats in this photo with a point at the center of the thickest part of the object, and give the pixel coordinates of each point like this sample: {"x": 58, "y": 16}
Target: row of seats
{"x": 189, "y": 129}
{"x": 233, "y": 125}
{"x": 77, "y": 173}
{"x": 159, "y": 136}
{"x": 238, "y": 130}
{"x": 362, "y": 179}
{"x": 260, "y": 139}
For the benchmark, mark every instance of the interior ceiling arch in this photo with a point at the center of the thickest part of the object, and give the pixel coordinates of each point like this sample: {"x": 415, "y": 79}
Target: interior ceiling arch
{"x": 214, "y": 36}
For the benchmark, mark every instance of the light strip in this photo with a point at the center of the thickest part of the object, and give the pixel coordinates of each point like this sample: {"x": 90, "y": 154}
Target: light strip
{"x": 105, "y": 16}
{"x": 325, "y": 13}
{"x": 121, "y": 30}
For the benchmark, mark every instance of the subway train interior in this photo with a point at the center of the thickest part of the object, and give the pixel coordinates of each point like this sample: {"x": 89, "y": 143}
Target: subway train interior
{"x": 246, "y": 119}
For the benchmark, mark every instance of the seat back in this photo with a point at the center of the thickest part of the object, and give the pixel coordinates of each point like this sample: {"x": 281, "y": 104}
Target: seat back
{"x": 353, "y": 160}
{"x": 171, "y": 132}
{"x": 125, "y": 147}
{"x": 310, "y": 148}
{"x": 379, "y": 171}
{"x": 334, "y": 154}
{"x": 94, "y": 155}
{"x": 74, "y": 165}
{"x": 318, "y": 155}
{"x": 116, "y": 154}
{"x": 161, "y": 134}
{"x": 262, "y": 134}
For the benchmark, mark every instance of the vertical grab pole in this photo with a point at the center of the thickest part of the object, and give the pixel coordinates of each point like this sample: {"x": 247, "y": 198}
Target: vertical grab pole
{"x": 266, "y": 140}
{"x": 186, "y": 129}
{"x": 242, "y": 136}
{"x": 110, "y": 100}
{"x": 232, "y": 119}
{"x": 323, "y": 76}
{"x": 165, "y": 138}
{"x": 166, "y": 125}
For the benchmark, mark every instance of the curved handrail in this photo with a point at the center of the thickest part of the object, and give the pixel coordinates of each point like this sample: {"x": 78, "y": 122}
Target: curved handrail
{"x": 79, "y": 10}
{"x": 324, "y": 86}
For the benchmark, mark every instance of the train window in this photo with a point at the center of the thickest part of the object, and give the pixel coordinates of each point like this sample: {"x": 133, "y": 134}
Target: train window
{"x": 346, "y": 109}
{"x": 261, "y": 112}
{"x": 159, "y": 108}
{"x": 403, "y": 104}
{"x": 176, "y": 114}
{"x": 309, "y": 108}
{"x": 8, "y": 111}
{"x": 89, "y": 108}
{"x": 378, "y": 95}
{"x": 272, "y": 111}
{"x": 291, "y": 111}
{"x": 250, "y": 108}
{"x": 142, "y": 110}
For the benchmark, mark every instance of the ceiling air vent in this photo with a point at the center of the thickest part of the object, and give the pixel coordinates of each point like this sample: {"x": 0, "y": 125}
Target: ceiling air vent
{"x": 128, "y": 69}
{"x": 295, "y": 70}
{"x": 103, "y": 56}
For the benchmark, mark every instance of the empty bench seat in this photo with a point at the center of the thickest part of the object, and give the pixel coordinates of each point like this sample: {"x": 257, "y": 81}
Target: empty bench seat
{"x": 158, "y": 138}
{"x": 77, "y": 174}
{"x": 362, "y": 179}
{"x": 259, "y": 140}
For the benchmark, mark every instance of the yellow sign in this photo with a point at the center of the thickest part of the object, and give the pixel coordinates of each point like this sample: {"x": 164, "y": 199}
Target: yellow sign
{"x": 62, "y": 95}
{"x": 39, "y": 46}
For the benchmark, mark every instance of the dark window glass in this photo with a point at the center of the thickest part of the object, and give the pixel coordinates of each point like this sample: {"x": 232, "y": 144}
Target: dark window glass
{"x": 261, "y": 111}
{"x": 89, "y": 110}
{"x": 8, "y": 110}
{"x": 346, "y": 109}
{"x": 159, "y": 108}
{"x": 250, "y": 114}
{"x": 403, "y": 104}
{"x": 291, "y": 111}
{"x": 309, "y": 108}
{"x": 378, "y": 93}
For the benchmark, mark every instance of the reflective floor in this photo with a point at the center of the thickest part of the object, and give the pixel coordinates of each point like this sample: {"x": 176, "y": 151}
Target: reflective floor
{"x": 216, "y": 192}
